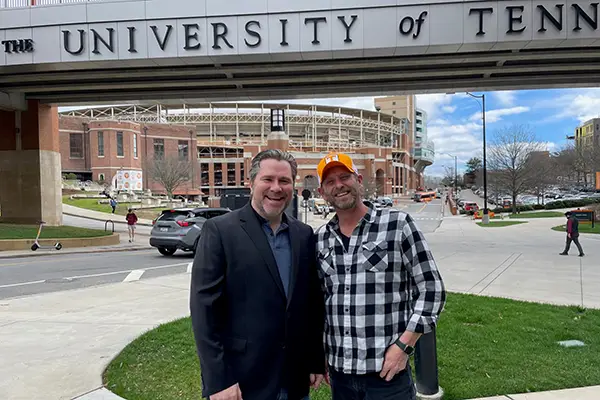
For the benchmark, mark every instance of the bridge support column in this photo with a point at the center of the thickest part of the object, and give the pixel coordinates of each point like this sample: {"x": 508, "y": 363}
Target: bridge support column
{"x": 30, "y": 168}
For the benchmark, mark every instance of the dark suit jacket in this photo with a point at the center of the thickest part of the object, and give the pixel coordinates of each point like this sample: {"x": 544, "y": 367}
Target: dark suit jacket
{"x": 246, "y": 331}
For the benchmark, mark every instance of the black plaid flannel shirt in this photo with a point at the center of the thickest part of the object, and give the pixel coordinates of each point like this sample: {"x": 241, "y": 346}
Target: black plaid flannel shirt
{"x": 387, "y": 282}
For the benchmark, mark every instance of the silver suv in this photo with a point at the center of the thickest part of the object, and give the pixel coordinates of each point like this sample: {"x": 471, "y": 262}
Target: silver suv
{"x": 179, "y": 229}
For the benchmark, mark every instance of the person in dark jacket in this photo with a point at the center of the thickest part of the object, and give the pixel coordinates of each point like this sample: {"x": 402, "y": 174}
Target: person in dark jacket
{"x": 256, "y": 302}
{"x": 572, "y": 234}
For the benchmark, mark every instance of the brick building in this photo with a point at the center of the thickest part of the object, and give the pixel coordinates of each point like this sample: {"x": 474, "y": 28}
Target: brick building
{"x": 221, "y": 139}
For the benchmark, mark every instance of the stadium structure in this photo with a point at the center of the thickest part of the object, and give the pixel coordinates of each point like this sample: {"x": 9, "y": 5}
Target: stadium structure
{"x": 105, "y": 144}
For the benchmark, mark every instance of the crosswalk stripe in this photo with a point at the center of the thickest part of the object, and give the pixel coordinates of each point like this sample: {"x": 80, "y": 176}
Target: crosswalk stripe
{"x": 134, "y": 275}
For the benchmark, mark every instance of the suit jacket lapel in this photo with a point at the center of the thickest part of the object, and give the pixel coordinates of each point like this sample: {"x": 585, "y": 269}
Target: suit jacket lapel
{"x": 295, "y": 241}
{"x": 252, "y": 227}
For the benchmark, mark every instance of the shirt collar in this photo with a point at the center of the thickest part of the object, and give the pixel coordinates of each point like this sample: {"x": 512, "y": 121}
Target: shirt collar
{"x": 262, "y": 220}
{"x": 369, "y": 217}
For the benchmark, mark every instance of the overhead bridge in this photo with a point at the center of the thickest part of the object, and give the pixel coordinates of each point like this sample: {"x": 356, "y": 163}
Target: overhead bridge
{"x": 209, "y": 50}
{"x": 90, "y": 52}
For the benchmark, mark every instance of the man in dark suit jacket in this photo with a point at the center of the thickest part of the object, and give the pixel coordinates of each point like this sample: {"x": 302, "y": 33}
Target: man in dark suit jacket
{"x": 256, "y": 302}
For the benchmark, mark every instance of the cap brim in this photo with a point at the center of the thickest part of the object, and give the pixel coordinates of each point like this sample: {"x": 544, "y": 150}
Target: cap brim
{"x": 335, "y": 164}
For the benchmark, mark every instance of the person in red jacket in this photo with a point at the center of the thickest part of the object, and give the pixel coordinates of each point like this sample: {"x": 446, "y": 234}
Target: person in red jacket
{"x": 572, "y": 234}
{"x": 131, "y": 219}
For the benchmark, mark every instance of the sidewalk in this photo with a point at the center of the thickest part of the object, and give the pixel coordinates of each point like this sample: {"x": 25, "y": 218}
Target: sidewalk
{"x": 519, "y": 262}
{"x": 56, "y": 345}
{"x": 586, "y": 393}
{"x": 99, "y": 216}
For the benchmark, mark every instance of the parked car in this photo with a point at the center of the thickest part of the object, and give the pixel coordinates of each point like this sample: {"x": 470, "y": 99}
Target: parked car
{"x": 179, "y": 229}
{"x": 471, "y": 206}
{"x": 385, "y": 202}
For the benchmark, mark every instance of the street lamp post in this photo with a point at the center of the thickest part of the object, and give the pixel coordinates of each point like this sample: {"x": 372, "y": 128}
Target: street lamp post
{"x": 455, "y": 171}
{"x": 486, "y": 216}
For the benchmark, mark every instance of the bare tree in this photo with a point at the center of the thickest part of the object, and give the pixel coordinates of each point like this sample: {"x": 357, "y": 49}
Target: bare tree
{"x": 449, "y": 176}
{"x": 579, "y": 163}
{"x": 170, "y": 172}
{"x": 544, "y": 168}
{"x": 510, "y": 159}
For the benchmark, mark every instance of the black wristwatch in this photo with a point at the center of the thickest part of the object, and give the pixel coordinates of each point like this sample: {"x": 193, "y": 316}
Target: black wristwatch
{"x": 409, "y": 350}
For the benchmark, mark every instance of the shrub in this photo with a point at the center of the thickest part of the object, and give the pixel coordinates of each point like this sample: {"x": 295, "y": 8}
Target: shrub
{"x": 71, "y": 176}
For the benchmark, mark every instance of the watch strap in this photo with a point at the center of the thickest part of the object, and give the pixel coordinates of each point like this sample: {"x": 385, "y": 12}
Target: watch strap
{"x": 404, "y": 347}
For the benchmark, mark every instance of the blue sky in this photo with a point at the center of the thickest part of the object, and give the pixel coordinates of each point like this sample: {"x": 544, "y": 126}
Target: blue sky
{"x": 455, "y": 120}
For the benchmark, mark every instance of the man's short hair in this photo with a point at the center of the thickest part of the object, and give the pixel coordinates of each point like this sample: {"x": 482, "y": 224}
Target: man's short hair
{"x": 273, "y": 154}
{"x": 568, "y": 214}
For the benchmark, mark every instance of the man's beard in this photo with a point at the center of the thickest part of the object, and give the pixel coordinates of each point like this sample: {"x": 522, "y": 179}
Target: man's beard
{"x": 348, "y": 201}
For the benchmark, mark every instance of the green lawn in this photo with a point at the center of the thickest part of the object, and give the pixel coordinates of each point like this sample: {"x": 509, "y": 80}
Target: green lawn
{"x": 583, "y": 228}
{"x": 541, "y": 214}
{"x": 486, "y": 347}
{"x": 92, "y": 204}
{"x": 499, "y": 224}
{"x": 11, "y": 231}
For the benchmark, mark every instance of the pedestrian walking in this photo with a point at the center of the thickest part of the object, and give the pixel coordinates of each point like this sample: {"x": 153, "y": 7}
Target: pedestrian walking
{"x": 256, "y": 301}
{"x": 113, "y": 204}
{"x": 382, "y": 289}
{"x": 572, "y": 234}
{"x": 131, "y": 219}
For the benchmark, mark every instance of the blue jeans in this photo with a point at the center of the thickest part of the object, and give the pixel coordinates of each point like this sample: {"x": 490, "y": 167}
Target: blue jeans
{"x": 372, "y": 386}
{"x": 283, "y": 395}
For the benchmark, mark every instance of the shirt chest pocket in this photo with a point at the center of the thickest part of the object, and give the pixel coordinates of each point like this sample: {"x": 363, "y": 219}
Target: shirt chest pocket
{"x": 325, "y": 258}
{"x": 375, "y": 256}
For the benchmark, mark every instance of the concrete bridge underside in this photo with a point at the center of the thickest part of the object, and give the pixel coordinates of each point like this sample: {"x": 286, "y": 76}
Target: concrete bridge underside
{"x": 174, "y": 80}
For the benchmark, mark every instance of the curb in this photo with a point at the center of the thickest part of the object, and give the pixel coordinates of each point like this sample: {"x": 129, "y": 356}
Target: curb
{"x": 103, "y": 220}
{"x": 101, "y": 393}
{"x": 57, "y": 253}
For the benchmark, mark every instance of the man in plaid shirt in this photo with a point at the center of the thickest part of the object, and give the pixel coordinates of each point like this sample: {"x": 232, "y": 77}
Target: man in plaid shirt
{"x": 382, "y": 289}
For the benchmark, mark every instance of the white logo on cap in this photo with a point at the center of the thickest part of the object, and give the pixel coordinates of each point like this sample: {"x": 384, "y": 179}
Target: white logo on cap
{"x": 331, "y": 158}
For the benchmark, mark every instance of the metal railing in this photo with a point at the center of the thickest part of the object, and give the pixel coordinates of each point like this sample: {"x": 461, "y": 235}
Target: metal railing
{"x": 35, "y": 3}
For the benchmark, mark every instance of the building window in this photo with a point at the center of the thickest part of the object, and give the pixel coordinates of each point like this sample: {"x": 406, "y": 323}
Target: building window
{"x": 135, "y": 151}
{"x": 231, "y": 174}
{"x": 394, "y": 112}
{"x": 182, "y": 148}
{"x": 76, "y": 145}
{"x": 159, "y": 149}
{"x": 120, "y": 152}
{"x": 242, "y": 173}
{"x": 393, "y": 103}
{"x": 204, "y": 181}
{"x": 218, "y": 174}
{"x": 101, "y": 177}
{"x": 100, "y": 144}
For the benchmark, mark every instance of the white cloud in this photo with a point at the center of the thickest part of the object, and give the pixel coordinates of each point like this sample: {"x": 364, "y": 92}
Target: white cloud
{"x": 580, "y": 104}
{"x": 364, "y": 103}
{"x": 463, "y": 140}
{"x": 449, "y": 109}
{"x": 433, "y": 104}
{"x": 506, "y": 98}
{"x": 492, "y": 116}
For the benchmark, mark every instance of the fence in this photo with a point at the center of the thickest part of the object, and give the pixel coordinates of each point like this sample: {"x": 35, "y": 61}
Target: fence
{"x": 34, "y": 3}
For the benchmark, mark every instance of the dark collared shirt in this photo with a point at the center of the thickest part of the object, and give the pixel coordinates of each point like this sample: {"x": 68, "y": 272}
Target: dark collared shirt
{"x": 280, "y": 246}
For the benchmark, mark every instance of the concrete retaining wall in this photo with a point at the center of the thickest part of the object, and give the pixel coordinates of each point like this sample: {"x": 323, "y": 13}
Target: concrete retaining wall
{"x": 25, "y": 244}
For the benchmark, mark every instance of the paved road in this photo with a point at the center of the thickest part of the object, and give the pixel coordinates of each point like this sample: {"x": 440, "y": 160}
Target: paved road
{"x": 27, "y": 276}
{"x": 427, "y": 215}
{"x": 468, "y": 195}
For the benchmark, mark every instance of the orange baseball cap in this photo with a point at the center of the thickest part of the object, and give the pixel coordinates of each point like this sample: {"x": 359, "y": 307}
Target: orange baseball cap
{"x": 335, "y": 160}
